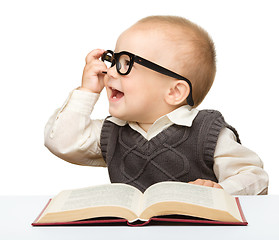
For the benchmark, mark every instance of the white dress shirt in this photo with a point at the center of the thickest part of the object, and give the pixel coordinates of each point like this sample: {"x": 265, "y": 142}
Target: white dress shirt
{"x": 73, "y": 136}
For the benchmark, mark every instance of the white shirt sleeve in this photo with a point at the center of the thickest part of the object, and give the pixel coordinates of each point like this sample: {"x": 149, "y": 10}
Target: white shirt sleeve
{"x": 72, "y": 135}
{"x": 238, "y": 169}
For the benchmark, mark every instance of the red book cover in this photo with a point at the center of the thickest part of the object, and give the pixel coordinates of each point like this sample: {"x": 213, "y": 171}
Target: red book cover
{"x": 161, "y": 220}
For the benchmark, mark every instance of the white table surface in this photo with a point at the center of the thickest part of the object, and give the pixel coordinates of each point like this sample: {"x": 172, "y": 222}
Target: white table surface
{"x": 18, "y": 212}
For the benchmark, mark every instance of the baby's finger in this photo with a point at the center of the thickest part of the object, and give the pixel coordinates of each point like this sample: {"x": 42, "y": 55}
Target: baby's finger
{"x": 216, "y": 185}
{"x": 95, "y": 63}
{"x": 208, "y": 183}
{"x": 199, "y": 181}
{"x": 96, "y": 67}
{"x": 94, "y": 55}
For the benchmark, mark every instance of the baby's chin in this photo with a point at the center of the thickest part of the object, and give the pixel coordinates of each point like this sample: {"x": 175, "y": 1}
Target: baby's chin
{"x": 122, "y": 117}
{"x": 116, "y": 113}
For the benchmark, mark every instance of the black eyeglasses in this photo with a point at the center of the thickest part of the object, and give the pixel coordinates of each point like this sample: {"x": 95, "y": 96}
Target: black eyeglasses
{"x": 124, "y": 62}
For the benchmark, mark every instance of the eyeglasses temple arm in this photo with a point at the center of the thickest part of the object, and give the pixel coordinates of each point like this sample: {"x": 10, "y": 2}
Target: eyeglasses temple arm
{"x": 160, "y": 69}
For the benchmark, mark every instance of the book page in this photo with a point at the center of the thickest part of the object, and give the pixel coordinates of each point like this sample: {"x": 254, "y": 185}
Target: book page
{"x": 103, "y": 195}
{"x": 201, "y": 201}
{"x": 182, "y": 192}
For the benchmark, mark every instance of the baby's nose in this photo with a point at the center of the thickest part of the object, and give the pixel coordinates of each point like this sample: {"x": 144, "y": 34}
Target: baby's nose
{"x": 112, "y": 72}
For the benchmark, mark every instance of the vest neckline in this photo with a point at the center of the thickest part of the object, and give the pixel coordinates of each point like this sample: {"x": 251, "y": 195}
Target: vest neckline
{"x": 142, "y": 144}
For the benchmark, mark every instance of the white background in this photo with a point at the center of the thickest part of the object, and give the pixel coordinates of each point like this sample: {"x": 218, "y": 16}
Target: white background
{"x": 43, "y": 46}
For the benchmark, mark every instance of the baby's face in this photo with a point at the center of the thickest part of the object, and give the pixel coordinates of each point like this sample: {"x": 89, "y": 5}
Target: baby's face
{"x": 139, "y": 96}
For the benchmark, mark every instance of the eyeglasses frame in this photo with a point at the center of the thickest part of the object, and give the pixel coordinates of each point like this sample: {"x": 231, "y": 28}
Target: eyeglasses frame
{"x": 146, "y": 63}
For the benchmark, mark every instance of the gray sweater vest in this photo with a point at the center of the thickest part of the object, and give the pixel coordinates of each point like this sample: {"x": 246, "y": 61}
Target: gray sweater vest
{"x": 178, "y": 153}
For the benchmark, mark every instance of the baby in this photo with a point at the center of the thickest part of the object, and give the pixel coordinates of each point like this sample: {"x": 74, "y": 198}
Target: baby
{"x": 160, "y": 71}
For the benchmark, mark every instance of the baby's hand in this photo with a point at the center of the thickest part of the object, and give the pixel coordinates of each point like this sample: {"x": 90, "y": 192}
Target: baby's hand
{"x": 207, "y": 183}
{"x": 93, "y": 76}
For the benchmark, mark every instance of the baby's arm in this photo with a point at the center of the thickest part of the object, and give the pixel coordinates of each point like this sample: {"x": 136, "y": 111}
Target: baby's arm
{"x": 70, "y": 133}
{"x": 238, "y": 169}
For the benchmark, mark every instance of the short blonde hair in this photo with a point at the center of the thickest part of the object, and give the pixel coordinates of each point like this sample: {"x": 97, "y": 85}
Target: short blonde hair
{"x": 195, "y": 52}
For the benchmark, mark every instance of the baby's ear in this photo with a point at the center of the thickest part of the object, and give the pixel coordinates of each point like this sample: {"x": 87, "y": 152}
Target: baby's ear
{"x": 177, "y": 92}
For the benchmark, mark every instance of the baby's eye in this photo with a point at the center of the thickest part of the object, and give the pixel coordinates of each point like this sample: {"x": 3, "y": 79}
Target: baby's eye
{"x": 127, "y": 62}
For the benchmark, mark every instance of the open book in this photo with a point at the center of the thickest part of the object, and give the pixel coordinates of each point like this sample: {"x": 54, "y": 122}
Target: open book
{"x": 173, "y": 199}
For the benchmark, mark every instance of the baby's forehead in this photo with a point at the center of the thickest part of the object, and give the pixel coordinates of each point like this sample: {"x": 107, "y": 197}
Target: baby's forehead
{"x": 151, "y": 34}
{"x": 147, "y": 43}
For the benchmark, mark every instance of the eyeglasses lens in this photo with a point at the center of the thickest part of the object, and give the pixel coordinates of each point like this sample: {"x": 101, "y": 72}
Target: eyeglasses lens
{"x": 107, "y": 58}
{"x": 123, "y": 63}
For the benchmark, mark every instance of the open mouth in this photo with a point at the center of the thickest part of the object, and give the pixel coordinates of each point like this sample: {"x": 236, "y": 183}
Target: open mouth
{"x": 116, "y": 94}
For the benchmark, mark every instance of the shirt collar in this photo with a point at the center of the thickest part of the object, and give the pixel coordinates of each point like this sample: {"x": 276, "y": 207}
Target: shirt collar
{"x": 183, "y": 116}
